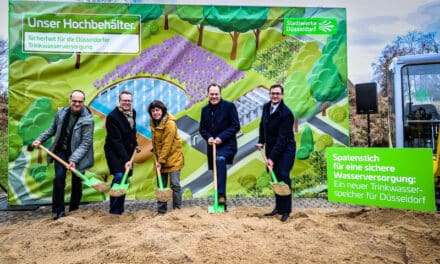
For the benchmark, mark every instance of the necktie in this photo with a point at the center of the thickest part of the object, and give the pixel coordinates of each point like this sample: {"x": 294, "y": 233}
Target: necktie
{"x": 272, "y": 109}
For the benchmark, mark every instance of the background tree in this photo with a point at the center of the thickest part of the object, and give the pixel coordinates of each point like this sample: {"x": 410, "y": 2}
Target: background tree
{"x": 3, "y": 67}
{"x": 414, "y": 42}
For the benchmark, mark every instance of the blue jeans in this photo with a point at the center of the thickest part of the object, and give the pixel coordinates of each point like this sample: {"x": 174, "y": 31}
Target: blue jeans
{"x": 59, "y": 185}
{"x": 117, "y": 203}
{"x": 177, "y": 191}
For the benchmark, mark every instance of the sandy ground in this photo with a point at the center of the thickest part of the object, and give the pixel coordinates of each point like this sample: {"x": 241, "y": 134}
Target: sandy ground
{"x": 241, "y": 235}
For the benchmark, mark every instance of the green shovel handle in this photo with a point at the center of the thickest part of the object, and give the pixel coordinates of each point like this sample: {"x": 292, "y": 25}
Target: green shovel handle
{"x": 159, "y": 175}
{"x": 127, "y": 170}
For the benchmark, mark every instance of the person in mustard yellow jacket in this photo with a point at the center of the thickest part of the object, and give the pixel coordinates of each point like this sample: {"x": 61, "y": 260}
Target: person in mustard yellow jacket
{"x": 168, "y": 150}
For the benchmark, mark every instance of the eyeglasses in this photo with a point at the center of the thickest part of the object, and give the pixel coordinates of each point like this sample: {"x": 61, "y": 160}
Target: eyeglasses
{"x": 76, "y": 102}
{"x": 126, "y": 101}
{"x": 275, "y": 93}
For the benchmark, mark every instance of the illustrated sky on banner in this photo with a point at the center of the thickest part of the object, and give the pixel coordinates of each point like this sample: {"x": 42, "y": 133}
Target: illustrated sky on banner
{"x": 172, "y": 53}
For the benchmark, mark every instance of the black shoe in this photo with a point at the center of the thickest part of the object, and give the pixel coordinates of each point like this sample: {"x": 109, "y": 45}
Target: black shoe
{"x": 59, "y": 215}
{"x": 284, "y": 217}
{"x": 274, "y": 212}
{"x": 222, "y": 201}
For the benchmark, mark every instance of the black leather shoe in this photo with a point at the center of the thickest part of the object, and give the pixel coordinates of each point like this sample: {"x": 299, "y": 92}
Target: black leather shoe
{"x": 274, "y": 212}
{"x": 284, "y": 217}
{"x": 222, "y": 201}
{"x": 59, "y": 215}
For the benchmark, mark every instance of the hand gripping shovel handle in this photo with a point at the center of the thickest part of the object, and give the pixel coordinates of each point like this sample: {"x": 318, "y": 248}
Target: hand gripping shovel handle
{"x": 127, "y": 170}
{"x": 274, "y": 178}
{"x": 163, "y": 194}
{"x": 159, "y": 176}
{"x": 92, "y": 182}
{"x": 279, "y": 188}
{"x": 65, "y": 164}
{"x": 119, "y": 189}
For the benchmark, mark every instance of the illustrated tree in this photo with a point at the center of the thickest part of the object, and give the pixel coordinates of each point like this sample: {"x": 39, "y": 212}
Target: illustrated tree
{"x": 37, "y": 119}
{"x": 336, "y": 47}
{"x": 167, "y": 9}
{"x": 193, "y": 15}
{"x": 298, "y": 97}
{"x": 147, "y": 12}
{"x": 248, "y": 55}
{"x": 338, "y": 113}
{"x": 325, "y": 81}
{"x": 18, "y": 54}
{"x": 230, "y": 19}
{"x": 257, "y": 32}
{"x": 306, "y": 145}
{"x": 307, "y": 55}
{"x": 323, "y": 141}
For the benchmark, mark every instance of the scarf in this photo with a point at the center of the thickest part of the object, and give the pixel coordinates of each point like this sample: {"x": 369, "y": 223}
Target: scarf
{"x": 129, "y": 115}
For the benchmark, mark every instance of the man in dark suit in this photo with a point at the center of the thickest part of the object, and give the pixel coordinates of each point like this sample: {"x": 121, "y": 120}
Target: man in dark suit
{"x": 219, "y": 125}
{"x": 120, "y": 144}
{"x": 276, "y": 132}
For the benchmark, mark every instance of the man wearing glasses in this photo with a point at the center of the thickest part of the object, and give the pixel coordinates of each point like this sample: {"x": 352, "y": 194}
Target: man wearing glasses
{"x": 73, "y": 142}
{"x": 276, "y": 133}
{"x": 120, "y": 144}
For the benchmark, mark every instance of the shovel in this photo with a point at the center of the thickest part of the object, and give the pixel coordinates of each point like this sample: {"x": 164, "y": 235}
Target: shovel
{"x": 163, "y": 194}
{"x": 279, "y": 188}
{"x": 91, "y": 182}
{"x": 119, "y": 189}
{"x": 216, "y": 208}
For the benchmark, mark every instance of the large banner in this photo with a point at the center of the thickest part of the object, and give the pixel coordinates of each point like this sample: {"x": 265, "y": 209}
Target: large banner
{"x": 172, "y": 53}
{"x": 383, "y": 177}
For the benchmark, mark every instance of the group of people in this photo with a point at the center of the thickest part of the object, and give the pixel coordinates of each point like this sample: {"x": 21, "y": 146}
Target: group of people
{"x": 73, "y": 127}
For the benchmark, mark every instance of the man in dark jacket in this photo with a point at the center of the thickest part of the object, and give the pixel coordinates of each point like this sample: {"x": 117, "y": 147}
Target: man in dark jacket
{"x": 219, "y": 125}
{"x": 276, "y": 132}
{"x": 73, "y": 143}
{"x": 120, "y": 143}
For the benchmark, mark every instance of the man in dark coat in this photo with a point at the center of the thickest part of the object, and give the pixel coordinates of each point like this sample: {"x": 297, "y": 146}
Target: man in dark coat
{"x": 219, "y": 125}
{"x": 276, "y": 132}
{"x": 120, "y": 143}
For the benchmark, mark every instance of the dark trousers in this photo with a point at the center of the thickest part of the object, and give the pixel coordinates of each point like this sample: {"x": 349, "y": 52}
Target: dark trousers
{"x": 117, "y": 203}
{"x": 177, "y": 191}
{"x": 221, "y": 175}
{"x": 59, "y": 185}
{"x": 282, "y": 170}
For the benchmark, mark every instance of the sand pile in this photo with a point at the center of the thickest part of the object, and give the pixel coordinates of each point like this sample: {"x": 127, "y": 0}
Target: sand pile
{"x": 242, "y": 235}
